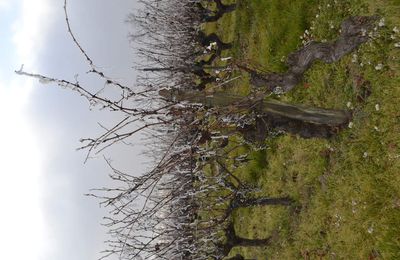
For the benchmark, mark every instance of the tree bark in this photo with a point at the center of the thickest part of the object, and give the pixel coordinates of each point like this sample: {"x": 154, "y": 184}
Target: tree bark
{"x": 265, "y": 107}
{"x": 210, "y": 16}
{"x": 234, "y": 240}
{"x": 264, "y": 201}
{"x": 206, "y": 40}
{"x": 354, "y": 32}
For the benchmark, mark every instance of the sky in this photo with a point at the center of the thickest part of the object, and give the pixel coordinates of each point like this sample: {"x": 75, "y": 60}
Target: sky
{"x": 44, "y": 213}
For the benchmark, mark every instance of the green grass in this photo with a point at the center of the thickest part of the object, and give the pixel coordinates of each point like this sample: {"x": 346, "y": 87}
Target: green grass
{"x": 347, "y": 189}
{"x": 259, "y": 31}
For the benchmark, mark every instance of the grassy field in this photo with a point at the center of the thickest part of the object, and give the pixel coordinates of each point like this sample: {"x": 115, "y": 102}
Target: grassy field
{"x": 347, "y": 189}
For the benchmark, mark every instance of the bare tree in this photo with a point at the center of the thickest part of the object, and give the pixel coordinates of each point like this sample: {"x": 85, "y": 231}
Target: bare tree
{"x": 160, "y": 214}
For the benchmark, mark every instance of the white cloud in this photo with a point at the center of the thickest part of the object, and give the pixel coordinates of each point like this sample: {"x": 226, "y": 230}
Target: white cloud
{"x": 31, "y": 28}
{"x": 21, "y": 221}
{"x": 22, "y": 224}
{"x": 4, "y": 4}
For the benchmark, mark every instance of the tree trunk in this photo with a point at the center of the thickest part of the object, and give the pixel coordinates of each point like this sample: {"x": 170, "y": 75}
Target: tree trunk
{"x": 354, "y": 32}
{"x": 242, "y": 202}
{"x": 265, "y": 107}
{"x": 206, "y": 40}
{"x": 209, "y": 16}
{"x": 234, "y": 240}
{"x": 264, "y": 201}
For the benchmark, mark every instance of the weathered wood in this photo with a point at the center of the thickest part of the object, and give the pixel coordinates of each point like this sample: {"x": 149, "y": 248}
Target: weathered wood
{"x": 206, "y": 15}
{"x": 312, "y": 115}
{"x": 263, "y": 201}
{"x": 233, "y": 240}
{"x": 266, "y": 107}
{"x": 354, "y": 32}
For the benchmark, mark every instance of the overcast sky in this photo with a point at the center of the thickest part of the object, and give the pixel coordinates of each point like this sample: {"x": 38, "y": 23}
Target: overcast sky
{"x": 44, "y": 214}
